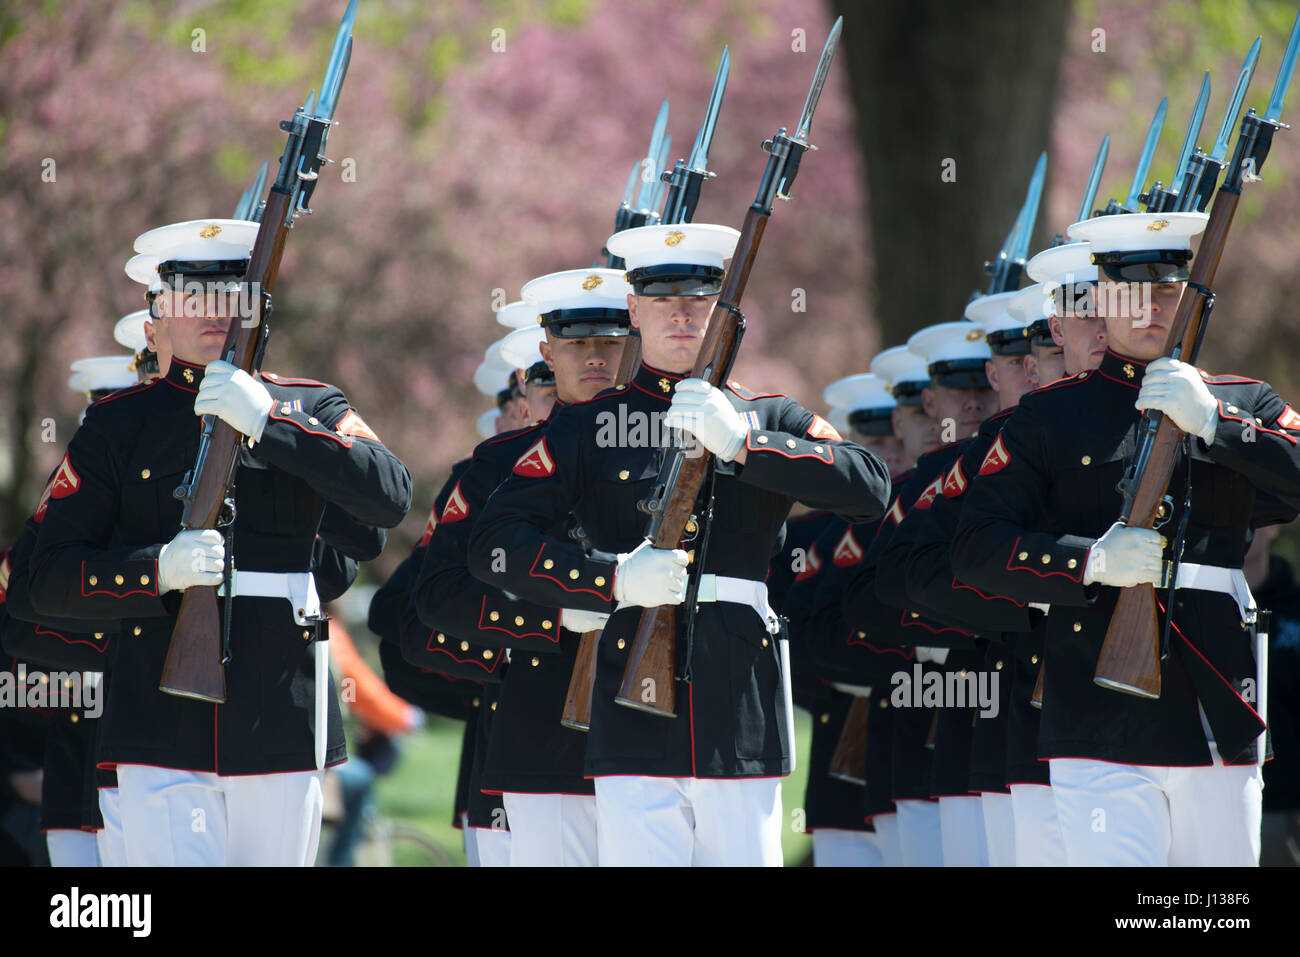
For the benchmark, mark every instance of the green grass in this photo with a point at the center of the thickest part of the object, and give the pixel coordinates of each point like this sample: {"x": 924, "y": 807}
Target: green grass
{"x": 420, "y": 790}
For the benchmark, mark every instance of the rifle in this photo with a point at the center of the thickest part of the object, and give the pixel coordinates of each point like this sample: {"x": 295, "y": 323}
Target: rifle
{"x": 200, "y": 645}
{"x": 1004, "y": 271}
{"x": 1130, "y": 204}
{"x": 849, "y": 760}
{"x": 1130, "y": 655}
{"x": 649, "y": 678}
{"x": 1036, "y": 699}
{"x": 639, "y": 204}
{"x": 683, "y": 190}
{"x": 582, "y": 683}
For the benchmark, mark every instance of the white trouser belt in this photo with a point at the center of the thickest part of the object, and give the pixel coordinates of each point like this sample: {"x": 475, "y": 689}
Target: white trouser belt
{"x": 740, "y": 591}
{"x": 297, "y": 588}
{"x": 1228, "y": 581}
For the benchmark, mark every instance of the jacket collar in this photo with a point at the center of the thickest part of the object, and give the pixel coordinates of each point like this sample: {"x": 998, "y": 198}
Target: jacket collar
{"x": 657, "y": 382}
{"x": 184, "y": 375}
{"x": 1123, "y": 369}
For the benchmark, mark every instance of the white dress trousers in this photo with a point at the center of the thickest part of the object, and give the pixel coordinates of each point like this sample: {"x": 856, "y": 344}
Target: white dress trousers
{"x": 551, "y": 830}
{"x": 891, "y": 852}
{"x": 919, "y": 836}
{"x": 72, "y": 848}
{"x": 1149, "y": 816}
{"x": 1039, "y": 842}
{"x": 961, "y": 824}
{"x": 688, "y": 822}
{"x": 173, "y": 817}
{"x": 999, "y": 828}
{"x": 835, "y": 847}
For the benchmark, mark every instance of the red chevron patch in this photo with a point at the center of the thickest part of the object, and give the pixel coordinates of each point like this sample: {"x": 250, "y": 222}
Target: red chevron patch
{"x": 848, "y": 552}
{"x": 353, "y": 424}
{"x": 536, "y": 462}
{"x": 954, "y": 482}
{"x": 996, "y": 459}
{"x": 62, "y": 483}
{"x": 1289, "y": 419}
{"x": 926, "y": 498}
{"x": 429, "y": 526}
{"x": 456, "y": 508}
{"x": 821, "y": 429}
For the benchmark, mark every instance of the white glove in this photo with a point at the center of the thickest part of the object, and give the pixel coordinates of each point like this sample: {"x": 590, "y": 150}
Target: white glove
{"x": 704, "y": 411}
{"x": 1124, "y": 557}
{"x": 650, "y": 576}
{"x": 575, "y": 619}
{"x": 937, "y": 655}
{"x": 230, "y": 393}
{"x": 1177, "y": 389}
{"x": 194, "y": 557}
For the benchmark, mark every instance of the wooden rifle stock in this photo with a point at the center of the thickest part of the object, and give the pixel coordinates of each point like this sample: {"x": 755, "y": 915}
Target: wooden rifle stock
{"x": 582, "y": 684}
{"x": 1130, "y": 654}
{"x": 649, "y": 678}
{"x": 849, "y": 760}
{"x": 193, "y": 668}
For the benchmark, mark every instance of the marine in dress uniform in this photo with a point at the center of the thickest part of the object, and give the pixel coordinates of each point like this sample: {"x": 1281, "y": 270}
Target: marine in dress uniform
{"x": 581, "y": 323}
{"x": 702, "y": 788}
{"x": 1175, "y": 777}
{"x": 104, "y": 552}
{"x": 847, "y": 830}
{"x": 924, "y": 575}
{"x": 955, "y": 398}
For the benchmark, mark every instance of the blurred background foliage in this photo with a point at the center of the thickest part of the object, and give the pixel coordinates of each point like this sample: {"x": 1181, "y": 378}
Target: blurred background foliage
{"x": 477, "y": 169}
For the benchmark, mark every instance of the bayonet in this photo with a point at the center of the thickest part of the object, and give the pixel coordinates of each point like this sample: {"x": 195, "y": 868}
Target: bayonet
{"x": 649, "y": 165}
{"x": 687, "y": 176}
{"x": 1144, "y": 160}
{"x": 1160, "y": 199}
{"x": 1202, "y": 172}
{"x": 1284, "y": 72}
{"x": 1090, "y": 190}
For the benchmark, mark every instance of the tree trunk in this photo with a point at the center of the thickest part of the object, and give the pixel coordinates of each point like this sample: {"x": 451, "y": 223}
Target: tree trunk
{"x": 935, "y": 81}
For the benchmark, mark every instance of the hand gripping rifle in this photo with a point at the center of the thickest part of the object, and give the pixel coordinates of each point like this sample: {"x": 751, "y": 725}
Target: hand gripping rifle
{"x": 683, "y": 187}
{"x": 649, "y": 679}
{"x": 1130, "y": 656}
{"x": 200, "y": 645}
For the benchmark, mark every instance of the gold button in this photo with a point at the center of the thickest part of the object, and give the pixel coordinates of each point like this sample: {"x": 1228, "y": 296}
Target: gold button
{"x": 93, "y": 580}
{"x": 1022, "y": 556}
{"x": 306, "y": 635}
{"x": 1033, "y": 659}
{"x": 536, "y": 662}
{"x": 493, "y": 616}
{"x": 475, "y": 703}
{"x": 99, "y": 635}
{"x": 1046, "y": 559}
{"x": 600, "y": 581}
{"x": 442, "y": 639}
{"x": 789, "y": 443}
{"x": 916, "y": 614}
{"x": 487, "y": 655}
{"x": 144, "y": 579}
{"x": 1081, "y": 375}
{"x": 1086, "y": 460}
{"x": 67, "y": 682}
{"x": 998, "y": 666}
{"x": 144, "y": 473}
{"x": 518, "y": 621}
{"x": 884, "y": 702}
{"x": 1232, "y": 408}
{"x": 464, "y": 646}
{"x": 826, "y": 719}
{"x": 75, "y": 719}
{"x": 548, "y": 564}
{"x": 818, "y": 449}
{"x": 862, "y": 634}
{"x": 573, "y": 573}
{"x": 624, "y": 474}
{"x": 962, "y": 672}
{"x": 45, "y": 679}
{"x": 762, "y": 440}
{"x": 690, "y": 527}
{"x": 764, "y": 642}
{"x": 690, "y": 557}
{"x": 1072, "y": 563}
{"x": 119, "y": 579}
{"x": 621, "y": 644}
{"x": 546, "y": 624}
{"x": 494, "y": 705}
{"x": 136, "y": 631}
{"x": 1259, "y": 421}
{"x": 1078, "y": 627}
{"x": 312, "y": 420}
